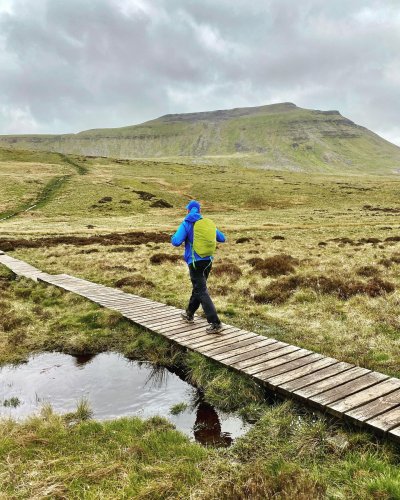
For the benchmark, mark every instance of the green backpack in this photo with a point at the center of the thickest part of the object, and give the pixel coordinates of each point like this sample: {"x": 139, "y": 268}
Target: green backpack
{"x": 204, "y": 238}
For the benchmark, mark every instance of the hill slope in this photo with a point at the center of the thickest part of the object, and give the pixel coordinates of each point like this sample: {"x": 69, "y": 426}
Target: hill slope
{"x": 277, "y": 136}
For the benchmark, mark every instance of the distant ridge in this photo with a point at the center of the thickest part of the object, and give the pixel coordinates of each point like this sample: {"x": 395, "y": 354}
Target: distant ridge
{"x": 275, "y": 136}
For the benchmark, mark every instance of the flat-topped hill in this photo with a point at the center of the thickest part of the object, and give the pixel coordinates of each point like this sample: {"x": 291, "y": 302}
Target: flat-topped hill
{"x": 276, "y": 136}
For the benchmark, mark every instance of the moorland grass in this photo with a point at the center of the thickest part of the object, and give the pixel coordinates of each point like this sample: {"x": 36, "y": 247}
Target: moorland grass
{"x": 334, "y": 239}
{"x": 283, "y": 456}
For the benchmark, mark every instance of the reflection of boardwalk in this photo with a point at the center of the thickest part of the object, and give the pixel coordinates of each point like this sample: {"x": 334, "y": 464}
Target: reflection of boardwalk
{"x": 367, "y": 398}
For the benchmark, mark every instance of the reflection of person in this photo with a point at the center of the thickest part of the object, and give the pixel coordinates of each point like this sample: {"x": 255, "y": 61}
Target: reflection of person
{"x": 199, "y": 267}
{"x": 207, "y": 428}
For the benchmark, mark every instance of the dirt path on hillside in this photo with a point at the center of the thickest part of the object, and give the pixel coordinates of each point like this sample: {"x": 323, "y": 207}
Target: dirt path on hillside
{"x": 48, "y": 192}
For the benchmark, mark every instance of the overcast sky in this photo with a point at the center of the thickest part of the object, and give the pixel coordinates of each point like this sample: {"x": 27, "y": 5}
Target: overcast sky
{"x": 71, "y": 65}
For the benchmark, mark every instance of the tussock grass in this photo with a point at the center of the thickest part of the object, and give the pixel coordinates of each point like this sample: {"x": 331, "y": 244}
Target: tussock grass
{"x": 158, "y": 258}
{"x": 275, "y": 265}
{"x": 283, "y": 456}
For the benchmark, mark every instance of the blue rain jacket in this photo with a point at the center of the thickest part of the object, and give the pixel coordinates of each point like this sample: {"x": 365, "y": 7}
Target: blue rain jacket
{"x": 184, "y": 233}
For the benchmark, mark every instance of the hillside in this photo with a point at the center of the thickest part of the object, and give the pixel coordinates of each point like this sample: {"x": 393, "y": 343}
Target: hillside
{"x": 278, "y": 136}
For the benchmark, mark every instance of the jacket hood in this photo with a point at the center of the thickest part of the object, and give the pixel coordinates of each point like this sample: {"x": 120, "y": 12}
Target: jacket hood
{"x": 193, "y": 216}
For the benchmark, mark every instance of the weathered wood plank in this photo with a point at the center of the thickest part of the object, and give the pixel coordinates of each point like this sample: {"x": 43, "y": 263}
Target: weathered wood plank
{"x": 266, "y": 375}
{"x": 226, "y": 344}
{"x": 268, "y": 352}
{"x": 289, "y": 376}
{"x": 273, "y": 346}
{"x": 312, "y": 378}
{"x": 328, "y": 397}
{"x": 188, "y": 336}
{"x": 365, "y": 396}
{"x": 181, "y": 327}
{"x": 248, "y": 347}
{"x": 205, "y": 338}
{"x": 385, "y": 421}
{"x": 167, "y": 322}
{"x": 277, "y": 360}
{"x": 152, "y": 316}
{"x": 217, "y": 341}
{"x": 331, "y": 382}
{"x": 375, "y": 407}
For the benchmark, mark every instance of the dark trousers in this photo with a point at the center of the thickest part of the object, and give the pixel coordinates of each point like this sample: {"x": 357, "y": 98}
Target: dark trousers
{"x": 198, "y": 275}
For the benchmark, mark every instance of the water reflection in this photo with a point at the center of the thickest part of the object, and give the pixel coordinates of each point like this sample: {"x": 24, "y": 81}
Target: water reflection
{"x": 83, "y": 359}
{"x": 114, "y": 387}
{"x": 207, "y": 428}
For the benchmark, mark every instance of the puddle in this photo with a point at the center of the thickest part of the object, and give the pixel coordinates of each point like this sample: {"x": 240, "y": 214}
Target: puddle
{"x": 114, "y": 387}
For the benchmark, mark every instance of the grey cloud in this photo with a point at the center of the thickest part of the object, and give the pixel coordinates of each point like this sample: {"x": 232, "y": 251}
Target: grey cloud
{"x": 69, "y": 66}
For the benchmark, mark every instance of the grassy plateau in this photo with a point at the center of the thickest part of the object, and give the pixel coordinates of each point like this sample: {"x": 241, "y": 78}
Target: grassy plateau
{"x": 310, "y": 259}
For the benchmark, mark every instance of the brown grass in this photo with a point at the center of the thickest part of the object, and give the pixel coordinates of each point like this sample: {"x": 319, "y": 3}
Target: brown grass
{"x": 161, "y": 204}
{"x": 280, "y": 290}
{"x": 368, "y": 271}
{"x": 134, "y": 281}
{"x": 132, "y": 238}
{"x": 227, "y": 269}
{"x": 159, "y": 258}
{"x": 274, "y": 266}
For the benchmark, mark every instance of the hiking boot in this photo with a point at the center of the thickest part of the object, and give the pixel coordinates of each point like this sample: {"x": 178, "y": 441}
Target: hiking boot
{"x": 214, "y": 328}
{"x": 187, "y": 317}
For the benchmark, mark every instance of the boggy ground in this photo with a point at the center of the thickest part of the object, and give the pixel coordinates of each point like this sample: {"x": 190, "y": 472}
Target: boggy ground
{"x": 290, "y": 453}
{"x": 310, "y": 260}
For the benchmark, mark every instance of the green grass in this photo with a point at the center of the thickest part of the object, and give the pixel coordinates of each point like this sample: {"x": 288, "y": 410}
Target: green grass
{"x": 283, "y": 457}
{"x": 24, "y": 174}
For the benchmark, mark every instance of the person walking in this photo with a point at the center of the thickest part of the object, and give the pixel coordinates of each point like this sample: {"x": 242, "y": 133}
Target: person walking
{"x": 200, "y": 236}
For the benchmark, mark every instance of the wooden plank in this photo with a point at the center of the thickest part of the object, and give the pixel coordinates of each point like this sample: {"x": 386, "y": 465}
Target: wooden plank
{"x": 333, "y": 381}
{"x": 385, "y": 421}
{"x": 144, "y": 309}
{"x": 273, "y": 346}
{"x": 200, "y": 336}
{"x": 248, "y": 342}
{"x": 269, "y": 352}
{"x": 366, "y": 396}
{"x": 209, "y": 350}
{"x": 297, "y": 373}
{"x": 328, "y": 397}
{"x": 154, "y": 315}
{"x": 178, "y": 329}
{"x": 158, "y": 322}
{"x": 175, "y": 317}
{"x": 250, "y": 347}
{"x": 216, "y": 341}
{"x": 266, "y": 375}
{"x": 375, "y": 407}
{"x": 170, "y": 321}
{"x": 132, "y": 308}
{"x": 183, "y": 335}
{"x": 277, "y": 360}
{"x": 207, "y": 338}
{"x": 312, "y": 378}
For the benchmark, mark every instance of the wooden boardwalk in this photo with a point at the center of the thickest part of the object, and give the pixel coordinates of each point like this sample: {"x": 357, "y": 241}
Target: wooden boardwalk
{"x": 367, "y": 398}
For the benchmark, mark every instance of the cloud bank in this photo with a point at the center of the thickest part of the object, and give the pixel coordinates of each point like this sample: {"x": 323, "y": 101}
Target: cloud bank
{"x": 80, "y": 64}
